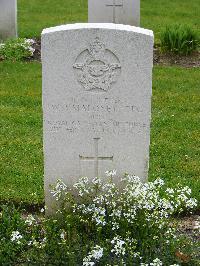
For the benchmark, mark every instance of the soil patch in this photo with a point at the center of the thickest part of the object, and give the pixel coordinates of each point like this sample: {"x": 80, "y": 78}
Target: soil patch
{"x": 167, "y": 59}
{"x": 162, "y": 59}
{"x": 190, "y": 226}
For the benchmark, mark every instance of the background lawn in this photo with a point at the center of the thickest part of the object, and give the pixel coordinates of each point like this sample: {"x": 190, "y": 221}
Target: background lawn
{"x": 35, "y": 15}
{"x": 174, "y": 141}
{"x": 21, "y": 133}
{"x": 175, "y": 147}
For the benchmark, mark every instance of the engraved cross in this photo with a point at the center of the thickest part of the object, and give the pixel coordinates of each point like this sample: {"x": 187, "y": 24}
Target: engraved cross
{"x": 114, "y": 5}
{"x": 96, "y": 158}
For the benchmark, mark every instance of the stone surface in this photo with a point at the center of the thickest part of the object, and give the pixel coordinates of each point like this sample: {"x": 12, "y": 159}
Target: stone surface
{"x": 114, "y": 11}
{"x": 97, "y": 81}
{"x": 8, "y": 19}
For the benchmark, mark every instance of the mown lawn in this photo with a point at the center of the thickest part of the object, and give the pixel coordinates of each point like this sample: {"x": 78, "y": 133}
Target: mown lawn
{"x": 21, "y": 132}
{"x": 35, "y": 15}
{"x": 175, "y": 132}
{"x": 175, "y": 135}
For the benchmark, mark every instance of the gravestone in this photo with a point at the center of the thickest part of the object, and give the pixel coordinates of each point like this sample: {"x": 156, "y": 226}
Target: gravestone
{"x": 114, "y": 11}
{"x": 8, "y": 19}
{"x": 97, "y": 81}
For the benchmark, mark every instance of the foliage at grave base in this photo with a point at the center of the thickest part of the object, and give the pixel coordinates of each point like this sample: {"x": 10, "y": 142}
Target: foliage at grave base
{"x": 98, "y": 224}
{"x": 179, "y": 39}
{"x": 16, "y": 49}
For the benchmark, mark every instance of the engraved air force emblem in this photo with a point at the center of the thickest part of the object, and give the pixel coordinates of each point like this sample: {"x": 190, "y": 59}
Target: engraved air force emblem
{"x": 97, "y": 68}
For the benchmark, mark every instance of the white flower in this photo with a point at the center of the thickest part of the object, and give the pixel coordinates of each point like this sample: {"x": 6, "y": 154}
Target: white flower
{"x": 30, "y": 243}
{"x": 32, "y": 50}
{"x": 156, "y": 262}
{"x": 16, "y": 236}
{"x": 159, "y": 182}
{"x": 96, "y": 254}
{"x": 115, "y": 226}
{"x": 87, "y": 263}
{"x": 118, "y": 248}
{"x": 59, "y": 190}
{"x": 187, "y": 190}
{"x": 99, "y": 215}
{"x": 96, "y": 181}
{"x": 82, "y": 185}
{"x": 30, "y": 220}
{"x": 39, "y": 244}
{"x": 111, "y": 173}
{"x": 170, "y": 190}
{"x": 30, "y": 41}
{"x": 42, "y": 210}
{"x": 105, "y": 205}
{"x": 191, "y": 203}
{"x": 63, "y": 235}
{"x": 116, "y": 213}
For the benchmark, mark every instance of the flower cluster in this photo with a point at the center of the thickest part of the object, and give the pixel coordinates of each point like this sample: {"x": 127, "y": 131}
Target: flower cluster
{"x": 135, "y": 196}
{"x": 94, "y": 256}
{"x": 27, "y": 45}
{"x": 39, "y": 244}
{"x": 83, "y": 186}
{"x": 118, "y": 246}
{"x": 156, "y": 262}
{"x": 131, "y": 212}
{"x": 30, "y": 220}
{"x": 16, "y": 237}
{"x": 17, "y": 49}
{"x": 59, "y": 190}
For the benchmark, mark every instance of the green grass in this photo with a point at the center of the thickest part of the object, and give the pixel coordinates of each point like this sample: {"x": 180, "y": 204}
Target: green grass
{"x": 175, "y": 147}
{"x": 174, "y": 135}
{"x": 157, "y": 14}
{"x": 35, "y": 15}
{"x": 175, "y": 114}
{"x": 21, "y": 133}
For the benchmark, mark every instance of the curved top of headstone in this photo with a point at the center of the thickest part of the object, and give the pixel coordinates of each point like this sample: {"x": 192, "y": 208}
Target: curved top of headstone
{"x": 109, "y": 26}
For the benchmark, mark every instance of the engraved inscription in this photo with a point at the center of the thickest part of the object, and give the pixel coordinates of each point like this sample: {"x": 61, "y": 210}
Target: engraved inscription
{"x": 100, "y": 115}
{"x": 104, "y": 105}
{"x": 96, "y": 158}
{"x": 97, "y": 68}
{"x": 97, "y": 127}
{"x": 114, "y": 4}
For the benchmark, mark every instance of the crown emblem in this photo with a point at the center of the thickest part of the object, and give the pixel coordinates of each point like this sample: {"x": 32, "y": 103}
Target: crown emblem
{"x": 97, "y": 48}
{"x": 97, "y": 68}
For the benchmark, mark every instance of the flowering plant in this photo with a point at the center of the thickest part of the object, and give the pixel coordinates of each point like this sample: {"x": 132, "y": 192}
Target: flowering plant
{"x": 129, "y": 221}
{"x": 101, "y": 223}
{"x": 17, "y": 49}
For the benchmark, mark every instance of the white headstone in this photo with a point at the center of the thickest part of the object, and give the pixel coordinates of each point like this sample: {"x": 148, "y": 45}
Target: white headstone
{"x": 97, "y": 85}
{"x": 8, "y": 19}
{"x": 114, "y": 11}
